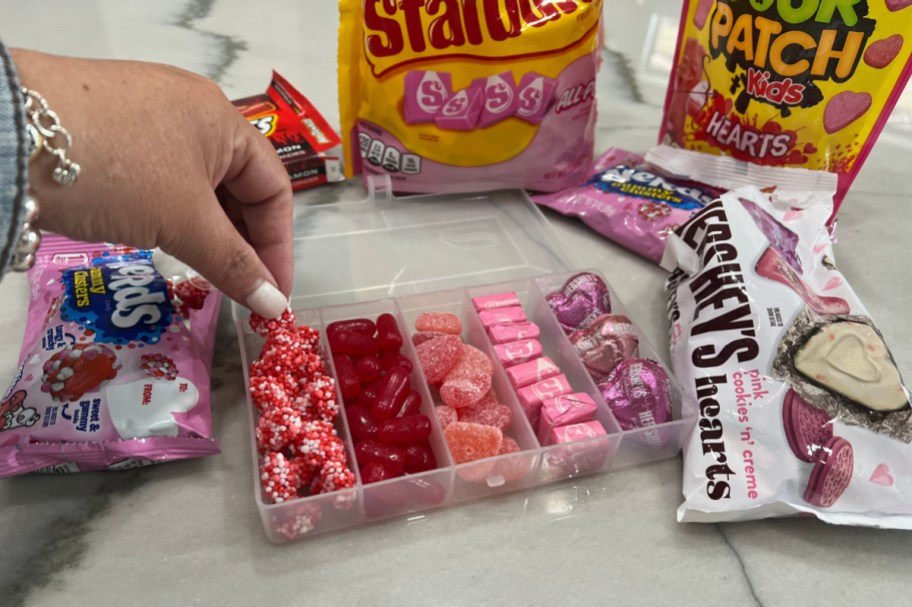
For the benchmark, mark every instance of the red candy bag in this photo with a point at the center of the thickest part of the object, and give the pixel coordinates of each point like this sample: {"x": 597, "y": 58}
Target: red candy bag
{"x": 114, "y": 367}
{"x": 298, "y": 132}
{"x": 788, "y": 84}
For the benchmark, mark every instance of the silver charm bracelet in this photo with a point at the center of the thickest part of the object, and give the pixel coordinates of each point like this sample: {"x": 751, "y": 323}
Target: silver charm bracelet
{"x": 45, "y": 134}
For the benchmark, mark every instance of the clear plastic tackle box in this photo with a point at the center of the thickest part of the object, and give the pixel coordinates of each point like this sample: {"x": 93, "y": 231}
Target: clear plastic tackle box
{"x": 405, "y": 256}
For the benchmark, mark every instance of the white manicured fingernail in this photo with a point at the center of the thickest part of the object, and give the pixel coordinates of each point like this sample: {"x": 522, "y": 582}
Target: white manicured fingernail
{"x": 267, "y": 301}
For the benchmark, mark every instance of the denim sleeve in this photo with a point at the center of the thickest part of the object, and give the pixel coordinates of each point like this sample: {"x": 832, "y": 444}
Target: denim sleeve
{"x": 13, "y": 161}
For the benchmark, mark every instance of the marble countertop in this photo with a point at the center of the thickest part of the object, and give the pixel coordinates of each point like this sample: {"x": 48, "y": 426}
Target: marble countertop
{"x": 189, "y": 532}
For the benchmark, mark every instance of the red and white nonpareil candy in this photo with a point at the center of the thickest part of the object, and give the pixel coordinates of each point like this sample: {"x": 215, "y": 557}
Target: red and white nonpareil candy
{"x": 264, "y": 326}
{"x": 278, "y": 478}
{"x": 278, "y": 428}
{"x": 582, "y": 299}
{"x": 158, "y": 366}
{"x": 639, "y": 394}
{"x": 610, "y": 339}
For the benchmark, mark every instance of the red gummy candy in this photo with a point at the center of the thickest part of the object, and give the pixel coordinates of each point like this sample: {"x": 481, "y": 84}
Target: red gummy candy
{"x": 395, "y": 359}
{"x": 388, "y": 333}
{"x": 446, "y": 415}
{"x": 368, "y": 369}
{"x": 360, "y": 422}
{"x": 496, "y": 414}
{"x": 353, "y": 344}
{"x": 411, "y": 405}
{"x": 349, "y": 384}
{"x": 442, "y": 322}
{"x": 404, "y": 430}
{"x": 425, "y": 491}
{"x": 393, "y": 458}
{"x": 365, "y": 326}
{"x": 394, "y": 388}
{"x": 469, "y": 442}
{"x": 437, "y": 357}
{"x": 419, "y": 457}
{"x": 369, "y": 394}
{"x": 374, "y": 473}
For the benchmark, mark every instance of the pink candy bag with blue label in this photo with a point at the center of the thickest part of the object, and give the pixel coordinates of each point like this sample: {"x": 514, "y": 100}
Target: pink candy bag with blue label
{"x": 114, "y": 368}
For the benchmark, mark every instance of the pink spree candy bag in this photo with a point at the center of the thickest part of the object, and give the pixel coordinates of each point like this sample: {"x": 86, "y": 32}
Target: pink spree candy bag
{"x": 114, "y": 367}
{"x": 630, "y": 202}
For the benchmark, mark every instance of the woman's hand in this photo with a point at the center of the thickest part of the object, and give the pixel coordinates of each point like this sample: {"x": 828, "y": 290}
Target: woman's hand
{"x": 167, "y": 162}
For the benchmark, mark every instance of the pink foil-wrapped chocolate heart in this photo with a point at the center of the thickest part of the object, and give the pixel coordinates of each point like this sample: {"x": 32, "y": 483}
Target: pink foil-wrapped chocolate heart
{"x": 610, "y": 339}
{"x": 639, "y": 394}
{"x": 582, "y": 299}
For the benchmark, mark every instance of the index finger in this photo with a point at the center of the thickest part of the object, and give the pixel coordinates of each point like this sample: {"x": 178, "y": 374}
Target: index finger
{"x": 259, "y": 182}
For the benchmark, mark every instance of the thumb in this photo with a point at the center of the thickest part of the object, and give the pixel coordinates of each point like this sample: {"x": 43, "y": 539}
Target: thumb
{"x": 222, "y": 256}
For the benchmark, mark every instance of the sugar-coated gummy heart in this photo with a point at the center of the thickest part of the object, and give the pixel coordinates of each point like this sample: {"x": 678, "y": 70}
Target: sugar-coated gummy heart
{"x": 465, "y": 390}
{"x": 512, "y": 469}
{"x": 831, "y": 474}
{"x": 843, "y": 109}
{"x": 420, "y": 337}
{"x": 470, "y": 442}
{"x": 442, "y": 322}
{"x": 497, "y": 415}
{"x": 807, "y": 428}
{"x": 472, "y": 361}
{"x": 446, "y": 415}
{"x": 438, "y": 356}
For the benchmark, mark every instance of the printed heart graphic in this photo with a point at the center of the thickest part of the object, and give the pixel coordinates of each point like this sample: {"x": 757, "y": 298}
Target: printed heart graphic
{"x": 819, "y": 248}
{"x": 832, "y": 283}
{"x": 792, "y": 214}
{"x": 881, "y": 475}
{"x": 850, "y": 356}
{"x": 844, "y": 109}
{"x": 29, "y": 377}
{"x": 898, "y": 5}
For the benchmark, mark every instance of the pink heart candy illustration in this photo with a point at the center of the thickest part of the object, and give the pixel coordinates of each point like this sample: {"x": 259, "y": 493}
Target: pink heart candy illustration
{"x": 819, "y": 248}
{"x": 843, "y": 109}
{"x": 832, "y": 283}
{"x": 792, "y": 214}
{"x": 897, "y": 5}
{"x": 881, "y": 476}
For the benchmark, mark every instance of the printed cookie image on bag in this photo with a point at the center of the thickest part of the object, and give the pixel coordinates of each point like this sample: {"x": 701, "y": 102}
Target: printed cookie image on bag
{"x": 798, "y": 84}
{"x": 469, "y": 96}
